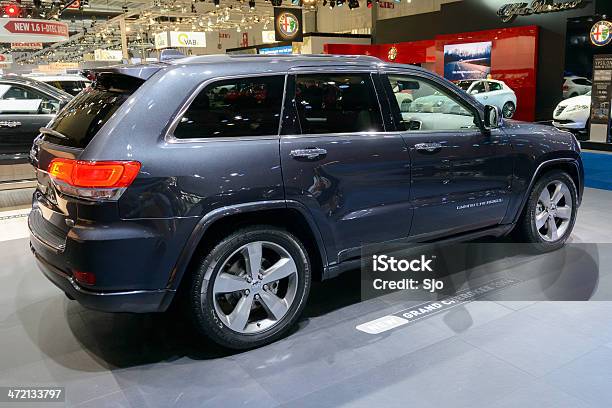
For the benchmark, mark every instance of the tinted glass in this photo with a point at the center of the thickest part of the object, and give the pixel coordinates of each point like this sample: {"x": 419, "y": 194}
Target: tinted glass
{"x": 72, "y": 87}
{"x": 426, "y": 106}
{"x": 339, "y": 103}
{"x": 478, "y": 88}
{"x": 495, "y": 86}
{"x": 83, "y": 117}
{"x": 25, "y": 100}
{"x": 233, "y": 108}
{"x": 465, "y": 85}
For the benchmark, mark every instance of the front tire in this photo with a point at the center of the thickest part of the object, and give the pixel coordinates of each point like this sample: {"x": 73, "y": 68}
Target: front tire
{"x": 550, "y": 212}
{"x": 251, "y": 287}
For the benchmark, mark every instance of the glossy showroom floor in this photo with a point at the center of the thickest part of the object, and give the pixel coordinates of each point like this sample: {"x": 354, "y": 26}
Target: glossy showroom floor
{"x": 483, "y": 354}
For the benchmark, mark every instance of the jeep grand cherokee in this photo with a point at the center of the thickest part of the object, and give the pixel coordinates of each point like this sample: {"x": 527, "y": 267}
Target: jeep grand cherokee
{"x": 232, "y": 182}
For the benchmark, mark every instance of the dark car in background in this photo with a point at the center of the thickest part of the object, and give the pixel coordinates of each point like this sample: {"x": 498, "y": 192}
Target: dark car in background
{"x": 26, "y": 105}
{"x": 233, "y": 182}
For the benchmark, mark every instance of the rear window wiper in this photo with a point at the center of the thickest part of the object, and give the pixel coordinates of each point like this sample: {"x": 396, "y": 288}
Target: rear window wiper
{"x": 49, "y": 131}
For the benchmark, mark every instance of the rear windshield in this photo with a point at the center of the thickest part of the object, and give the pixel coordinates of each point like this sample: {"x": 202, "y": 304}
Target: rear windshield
{"x": 83, "y": 117}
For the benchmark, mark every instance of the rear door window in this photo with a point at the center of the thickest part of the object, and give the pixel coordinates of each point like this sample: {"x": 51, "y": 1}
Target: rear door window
{"x": 20, "y": 99}
{"x": 85, "y": 115}
{"x": 495, "y": 86}
{"x": 240, "y": 107}
{"x": 337, "y": 103}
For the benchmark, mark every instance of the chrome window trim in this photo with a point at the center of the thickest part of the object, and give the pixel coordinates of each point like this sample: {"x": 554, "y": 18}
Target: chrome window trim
{"x": 169, "y": 133}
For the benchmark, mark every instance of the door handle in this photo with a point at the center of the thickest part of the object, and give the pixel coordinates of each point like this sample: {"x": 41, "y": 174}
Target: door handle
{"x": 311, "y": 153}
{"x": 9, "y": 124}
{"x": 428, "y": 147}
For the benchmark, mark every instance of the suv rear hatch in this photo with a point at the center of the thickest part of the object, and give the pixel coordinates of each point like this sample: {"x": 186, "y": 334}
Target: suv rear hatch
{"x": 58, "y": 202}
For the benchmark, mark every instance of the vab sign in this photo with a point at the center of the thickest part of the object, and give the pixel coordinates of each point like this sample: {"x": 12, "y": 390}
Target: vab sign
{"x": 180, "y": 39}
{"x": 509, "y": 12}
{"x": 188, "y": 39}
{"x": 32, "y": 30}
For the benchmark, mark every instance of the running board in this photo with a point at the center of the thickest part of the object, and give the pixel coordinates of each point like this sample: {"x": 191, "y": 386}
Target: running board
{"x": 332, "y": 271}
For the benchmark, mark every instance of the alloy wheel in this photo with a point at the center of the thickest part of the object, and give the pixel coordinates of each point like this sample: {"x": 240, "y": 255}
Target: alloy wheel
{"x": 255, "y": 287}
{"x": 554, "y": 211}
{"x": 508, "y": 110}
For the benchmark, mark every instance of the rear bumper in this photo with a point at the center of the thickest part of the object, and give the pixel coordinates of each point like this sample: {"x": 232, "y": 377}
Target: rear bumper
{"x": 136, "y": 301}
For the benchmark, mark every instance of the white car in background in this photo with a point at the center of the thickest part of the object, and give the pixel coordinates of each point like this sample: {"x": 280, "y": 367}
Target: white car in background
{"x": 491, "y": 92}
{"x": 573, "y": 113}
{"x": 576, "y": 86}
{"x": 71, "y": 83}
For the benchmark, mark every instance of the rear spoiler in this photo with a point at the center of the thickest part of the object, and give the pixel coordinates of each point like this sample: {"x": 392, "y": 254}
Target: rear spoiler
{"x": 141, "y": 71}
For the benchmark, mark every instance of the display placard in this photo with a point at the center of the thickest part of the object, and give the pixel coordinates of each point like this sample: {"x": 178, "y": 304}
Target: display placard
{"x": 467, "y": 61}
{"x": 601, "y": 97}
{"x": 288, "y": 24}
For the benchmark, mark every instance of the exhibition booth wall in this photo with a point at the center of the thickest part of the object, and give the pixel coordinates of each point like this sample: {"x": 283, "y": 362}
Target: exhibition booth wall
{"x": 509, "y": 55}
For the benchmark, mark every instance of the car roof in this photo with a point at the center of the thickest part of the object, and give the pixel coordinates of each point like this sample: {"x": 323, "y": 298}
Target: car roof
{"x": 258, "y": 63}
{"x": 46, "y": 88}
{"x": 68, "y": 77}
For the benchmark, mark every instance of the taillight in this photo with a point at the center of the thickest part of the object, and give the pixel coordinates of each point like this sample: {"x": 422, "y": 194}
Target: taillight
{"x": 565, "y": 87}
{"x": 93, "y": 179}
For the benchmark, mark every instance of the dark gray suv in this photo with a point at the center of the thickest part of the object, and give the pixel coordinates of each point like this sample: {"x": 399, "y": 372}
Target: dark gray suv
{"x": 232, "y": 182}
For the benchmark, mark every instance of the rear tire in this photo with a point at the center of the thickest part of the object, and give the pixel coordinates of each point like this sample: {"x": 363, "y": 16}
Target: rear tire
{"x": 508, "y": 110}
{"x": 235, "y": 298}
{"x": 550, "y": 212}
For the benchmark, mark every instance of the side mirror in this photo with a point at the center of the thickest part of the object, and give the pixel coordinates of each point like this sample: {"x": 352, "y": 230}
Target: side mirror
{"x": 491, "y": 117}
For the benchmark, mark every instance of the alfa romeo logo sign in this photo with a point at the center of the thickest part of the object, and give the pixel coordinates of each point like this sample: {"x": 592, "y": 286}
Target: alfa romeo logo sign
{"x": 601, "y": 33}
{"x": 288, "y": 24}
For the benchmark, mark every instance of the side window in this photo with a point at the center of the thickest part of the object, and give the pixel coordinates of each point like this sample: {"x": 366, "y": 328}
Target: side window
{"x": 478, "y": 88}
{"x": 234, "y": 108}
{"x": 424, "y": 105}
{"x": 337, "y": 103}
{"x": 495, "y": 86}
{"x": 582, "y": 81}
{"x": 25, "y": 100}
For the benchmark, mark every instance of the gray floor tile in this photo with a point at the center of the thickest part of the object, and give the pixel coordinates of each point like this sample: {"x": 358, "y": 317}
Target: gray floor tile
{"x": 539, "y": 394}
{"x": 593, "y": 319}
{"x": 588, "y": 377}
{"x": 449, "y": 373}
{"x": 529, "y": 344}
{"x": 192, "y": 383}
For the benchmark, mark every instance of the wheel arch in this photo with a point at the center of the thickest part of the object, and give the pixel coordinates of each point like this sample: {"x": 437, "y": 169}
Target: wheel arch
{"x": 289, "y": 215}
{"x": 567, "y": 164}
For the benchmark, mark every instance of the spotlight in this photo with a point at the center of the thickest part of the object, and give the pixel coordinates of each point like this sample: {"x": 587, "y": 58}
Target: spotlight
{"x": 339, "y": 3}
{"x": 353, "y": 4}
{"x": 369, "y": 3}
{"x": 252, "y": 4}
{"x": 216, "y": 3}
{"x": 12, "y": 10}
{"x": 332, "y": 4}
